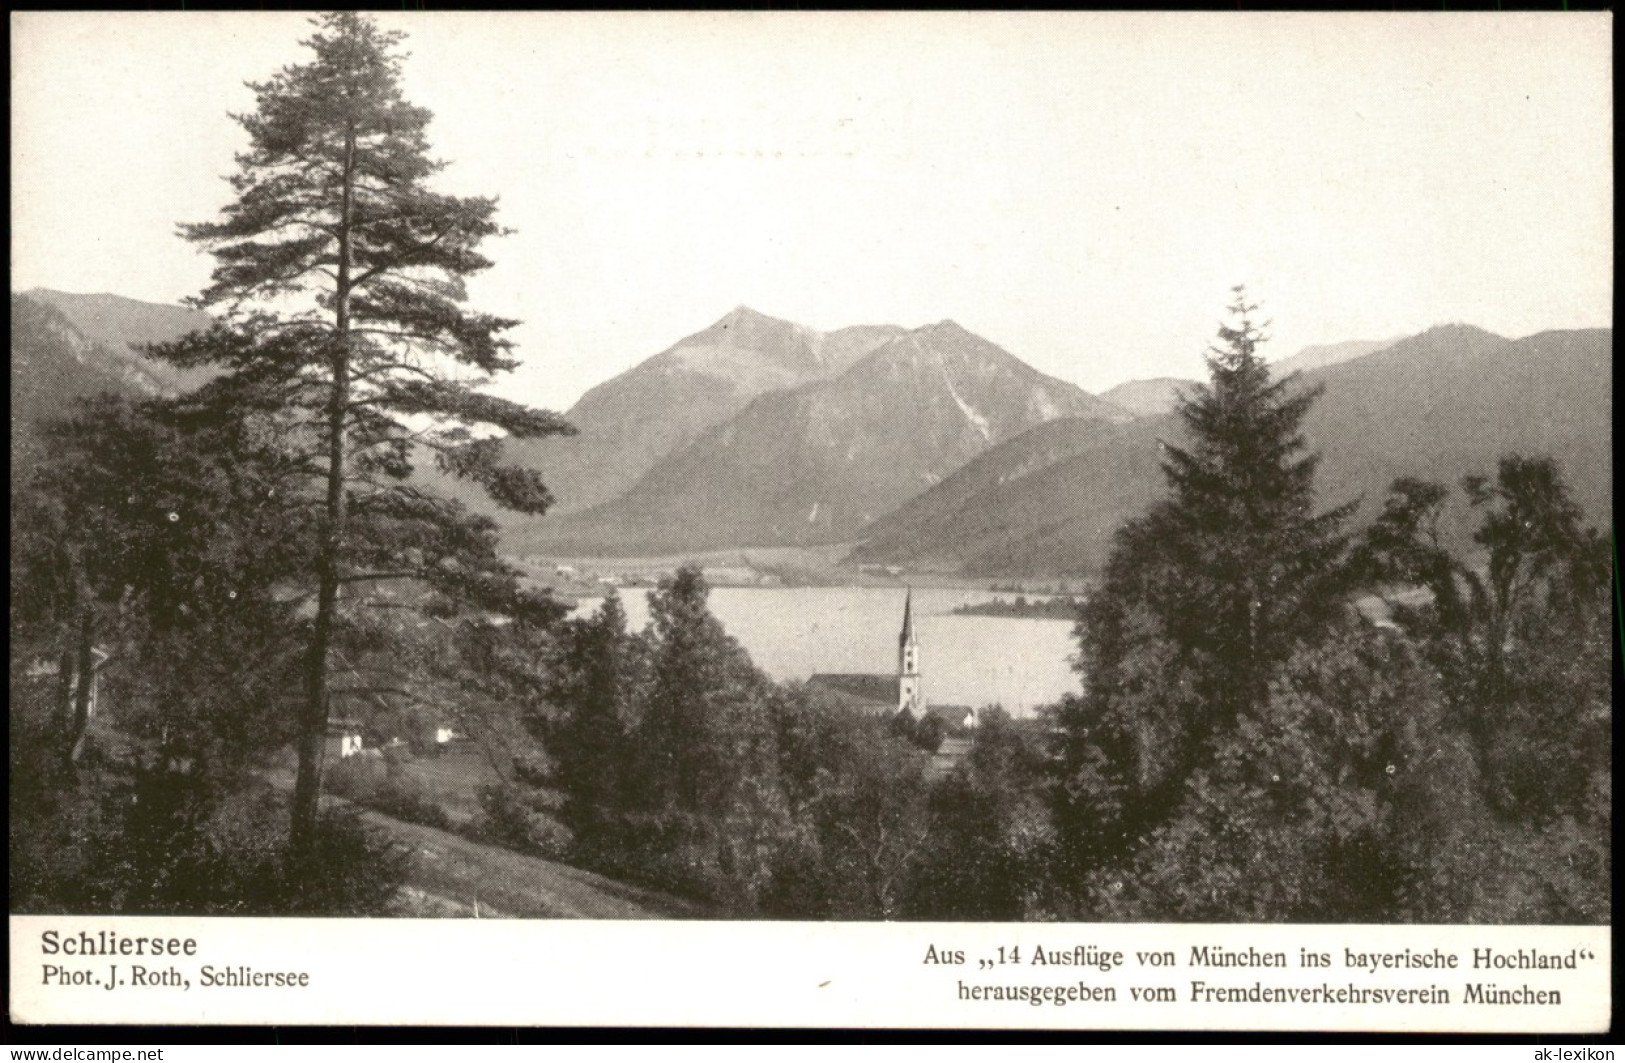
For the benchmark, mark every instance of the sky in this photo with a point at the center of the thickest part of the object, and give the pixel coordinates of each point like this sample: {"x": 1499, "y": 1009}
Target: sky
{"x": 1081, "y": 189}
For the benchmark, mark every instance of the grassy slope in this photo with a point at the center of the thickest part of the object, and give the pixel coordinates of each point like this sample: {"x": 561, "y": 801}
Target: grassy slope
{"x": 460, "y": 873}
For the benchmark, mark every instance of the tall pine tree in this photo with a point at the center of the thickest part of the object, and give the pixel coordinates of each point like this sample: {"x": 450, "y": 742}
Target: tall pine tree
{"x": 1203, "y": 599}
{"x": 339, "y": 285}
{"x": 1262, "y": 569}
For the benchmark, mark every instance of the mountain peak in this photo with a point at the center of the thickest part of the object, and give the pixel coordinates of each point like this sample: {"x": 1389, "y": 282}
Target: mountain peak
{"x": 945, "y": 337}
{"x": 1458, "y": 328}
{"x": 744, "y": 327}
{"x": 744, "y": 315}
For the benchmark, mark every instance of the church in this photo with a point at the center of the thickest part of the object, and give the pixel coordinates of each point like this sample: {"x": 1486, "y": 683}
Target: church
{"x": 893, "y": 695}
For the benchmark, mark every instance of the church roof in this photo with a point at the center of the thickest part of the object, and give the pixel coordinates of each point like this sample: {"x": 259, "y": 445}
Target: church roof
{"x": 907, "y": 634}
{"x": 859, "y": 688}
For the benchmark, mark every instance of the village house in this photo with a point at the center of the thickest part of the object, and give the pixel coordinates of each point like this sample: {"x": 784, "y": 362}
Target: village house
{"x": 343, "y": 739}
{"x": 49, "y": 669}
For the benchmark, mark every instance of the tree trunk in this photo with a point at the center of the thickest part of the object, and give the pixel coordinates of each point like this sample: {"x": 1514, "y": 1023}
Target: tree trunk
{"x": 84, "y": 686}
{"x": 313, "y": 726}
{"x": 307, "y": 791}
{"x": 64, "y": 688}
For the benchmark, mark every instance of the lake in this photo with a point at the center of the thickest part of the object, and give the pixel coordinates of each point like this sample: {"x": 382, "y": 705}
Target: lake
{"x": 793, "y": 632}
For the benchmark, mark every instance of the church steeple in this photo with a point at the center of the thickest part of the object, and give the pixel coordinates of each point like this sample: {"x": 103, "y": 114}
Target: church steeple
{"x": 909, "y": 698}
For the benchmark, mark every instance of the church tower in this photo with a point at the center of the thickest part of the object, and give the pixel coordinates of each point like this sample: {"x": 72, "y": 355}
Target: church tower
{"x": 909, "y": 697}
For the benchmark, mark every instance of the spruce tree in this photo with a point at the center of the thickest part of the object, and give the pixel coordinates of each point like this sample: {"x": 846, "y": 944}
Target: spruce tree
{"x": 339, "y": 288}
{"x": 1202, "y": 601}
{"x": 1262, "y": 570}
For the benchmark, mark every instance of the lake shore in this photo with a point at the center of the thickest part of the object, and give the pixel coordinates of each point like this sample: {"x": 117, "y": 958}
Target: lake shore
{"x": 586, "y": 576}
{"x": 792, "y": 633}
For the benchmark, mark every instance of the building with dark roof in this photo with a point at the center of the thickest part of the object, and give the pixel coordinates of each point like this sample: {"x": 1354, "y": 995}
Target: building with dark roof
{"x": 879, "y": 693}
{"x": 862, "y": 691}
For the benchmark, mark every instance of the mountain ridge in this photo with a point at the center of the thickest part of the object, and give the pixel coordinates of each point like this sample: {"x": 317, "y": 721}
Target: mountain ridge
{"x": 1149, "y": 397}
{"x": 636, "y": 418}
{"x": 932, "y": 446}
{"x": 811, "y": 464}
{"x": 125, "y": 326}
{"x": 1439, "y": 405}
{"x": 1324, "y": 355}
{"x": 1154, "y": 396}
{"x": 54, "y": 365}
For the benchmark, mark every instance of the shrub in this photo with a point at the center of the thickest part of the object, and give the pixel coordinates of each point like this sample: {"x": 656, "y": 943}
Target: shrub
{"x": 406, "y": 799}
{"x": 359, "y": 871}
{"x": 396, "y": 758}
{"x": 355, "y": 778}
{"x": 520, "y": 819}
{"x": 928, "y": 734}
{"x": 671, "y": 851}
{"x": 156, "y": 844}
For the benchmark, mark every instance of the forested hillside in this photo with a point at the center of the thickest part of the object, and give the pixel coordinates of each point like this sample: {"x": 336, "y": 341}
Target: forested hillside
{"x": 1446, "y": 402}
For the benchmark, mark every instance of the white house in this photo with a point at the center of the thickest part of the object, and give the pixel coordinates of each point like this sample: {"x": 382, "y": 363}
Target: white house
{"x": 343, "y": 739}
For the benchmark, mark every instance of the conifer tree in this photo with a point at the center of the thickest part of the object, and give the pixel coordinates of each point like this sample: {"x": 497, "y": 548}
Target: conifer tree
{"x": 1203, "y": 599}
{"x": 339, "y": 287}
{"x": 1263, "y": 567}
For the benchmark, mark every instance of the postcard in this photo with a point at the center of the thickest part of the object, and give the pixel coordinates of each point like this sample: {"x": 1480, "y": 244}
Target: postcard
{"x": 927, "y": 520}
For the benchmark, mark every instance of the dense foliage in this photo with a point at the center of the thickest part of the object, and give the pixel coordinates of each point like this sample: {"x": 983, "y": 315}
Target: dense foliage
{"x": 678, "y": 764}
{"x": 1203, "y": 600}
{"x": 1249, "y": 747}
{"x": 146, "y": 585}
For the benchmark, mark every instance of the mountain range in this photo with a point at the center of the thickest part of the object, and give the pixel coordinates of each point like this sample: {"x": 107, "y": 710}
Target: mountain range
{"x": 816, "y": 462}
{"x": 1438, "y": 405}
{"x": 1159, "y": 395}
{"x": 627, "y": 424}
{"x": 928, "y": 448}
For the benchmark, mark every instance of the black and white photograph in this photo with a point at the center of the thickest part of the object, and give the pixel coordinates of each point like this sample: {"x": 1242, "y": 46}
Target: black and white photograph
{"x": 850, "y": 468}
